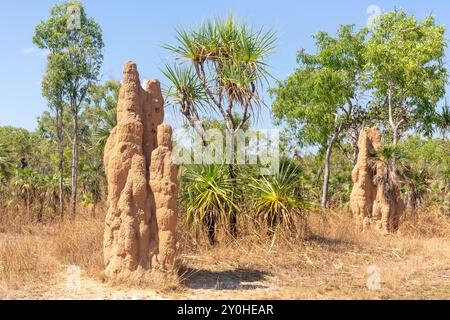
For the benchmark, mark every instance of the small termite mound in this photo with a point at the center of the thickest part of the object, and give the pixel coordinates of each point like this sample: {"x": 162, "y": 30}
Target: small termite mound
{"x": 375, "y": 199}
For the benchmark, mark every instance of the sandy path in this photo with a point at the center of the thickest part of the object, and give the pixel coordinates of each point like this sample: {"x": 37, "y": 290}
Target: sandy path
{"x": 67, "y": 286}
{"x": 73, "y": 284}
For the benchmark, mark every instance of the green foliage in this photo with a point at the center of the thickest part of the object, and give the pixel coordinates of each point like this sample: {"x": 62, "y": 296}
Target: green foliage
{"x": 6, "y": 163}
{"x": 273, "y": 197}
{"x": 422, "y": 168}
{"x": 75, "y": 44}
{"x": 75, "y": 54}
{"x": 206, "y": 191}
{"x": 185, "y": 89}
{"x": 443, "y": 119}
{"x": 40, "y": 179}
{"x": 93, "y": 184}
{"x": 426, "y": 174}
{"x": 323, "y": 101}
{"x": 227, "y": 65}
{"x": 322, "y": 94}
{"x": 19, "y": 143}
{"x": 208, "y": 197}
{"x": 226, "y": 68}
{"x": 406, "y": 67}
{"x": 101, "y": 113}
{"x": 390, "y": 153}
{"x": 55, "y": 34}
{"x": 401, "y": 58}
{"x": 392, "y": 75}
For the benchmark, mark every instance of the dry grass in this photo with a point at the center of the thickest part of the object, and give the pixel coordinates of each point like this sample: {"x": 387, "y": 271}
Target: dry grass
{"x": 33, "y": 253}
{"x": 331, "y": 262}
{"x": 328, "y": 261}
{"x": 80, "y": 243}
{"x": 24, "y": 259}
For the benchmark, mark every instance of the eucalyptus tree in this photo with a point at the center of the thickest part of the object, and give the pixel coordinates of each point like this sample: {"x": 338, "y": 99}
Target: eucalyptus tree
{"x": 53, "y": 90}
{"x": 75, "y": 42}
{"x": 220, "y": 70}
{"x": 406, "y": 65}
{"x": 325, "y": 101}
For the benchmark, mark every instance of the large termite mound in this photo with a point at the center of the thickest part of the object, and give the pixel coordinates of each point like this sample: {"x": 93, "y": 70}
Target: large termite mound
{"x": 131, "y": 238}
{"x": 375, "y": 198}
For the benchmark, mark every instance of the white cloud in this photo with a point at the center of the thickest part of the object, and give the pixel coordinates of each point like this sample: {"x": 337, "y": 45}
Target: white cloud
{"x": 29, "y": 50}
{"x": 34, "y": 50}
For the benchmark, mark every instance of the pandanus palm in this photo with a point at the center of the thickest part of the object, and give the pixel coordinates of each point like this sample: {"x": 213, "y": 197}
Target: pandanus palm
{"x": 275, "y": 200}
{"x": 207, "y": 196}
{"x": 24, "y": 183}
{"x": 443, "y": 119}
{"x": 417, "y": 184}
{"x": 415, "y": 181}
{"x": 92, "y": 178}
{"x": 224, "y": 70}
{"x": 45, "y": 193}
{"x": 394, "y": 158}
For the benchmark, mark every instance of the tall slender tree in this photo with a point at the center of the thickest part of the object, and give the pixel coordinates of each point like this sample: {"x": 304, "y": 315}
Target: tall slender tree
{"x": 75, "y": 41}
{"x": 53, "y": 91}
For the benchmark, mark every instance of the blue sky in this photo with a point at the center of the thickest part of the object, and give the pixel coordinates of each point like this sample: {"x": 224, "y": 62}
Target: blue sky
{"x": 135, "y": 29}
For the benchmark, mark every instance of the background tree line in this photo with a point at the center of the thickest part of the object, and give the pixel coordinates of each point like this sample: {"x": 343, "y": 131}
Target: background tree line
{"x": 391, "y": 74}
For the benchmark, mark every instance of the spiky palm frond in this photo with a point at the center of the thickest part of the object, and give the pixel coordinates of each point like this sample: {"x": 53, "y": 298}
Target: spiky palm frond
{"x": 207, "y": 192}
{"x": 274, "y": 198}
{"x": 229, "y": 59}
{"x": 185, "y": 89}
{"x": 393, "y": 158}
{"x": 443, "y": 120}
{"x": 389, "y": 153}
{"x": 102, "y": 133}
{"x": 417, "y": 183}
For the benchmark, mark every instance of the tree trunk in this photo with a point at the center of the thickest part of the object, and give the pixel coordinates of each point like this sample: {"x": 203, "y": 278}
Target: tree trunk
{"x": 395, "y": 135}
{"x": 61, "y": 163}
{"x": 355, "y": 152}
{"x": 232, "y": 172}
{"x": 411, "y": 206}
{"x": 327, "y": 170}
{"x": 392, "y": 123}
{"x": 74, "y": 164}
{"x": 233, "y": 213}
